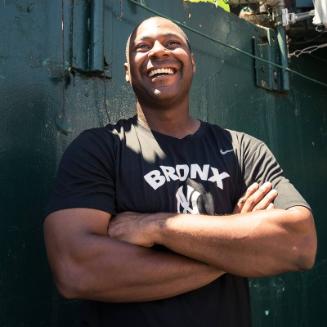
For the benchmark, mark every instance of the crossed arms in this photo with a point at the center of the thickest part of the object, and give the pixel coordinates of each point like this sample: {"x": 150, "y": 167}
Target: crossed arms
{"x": 257, "y": 240}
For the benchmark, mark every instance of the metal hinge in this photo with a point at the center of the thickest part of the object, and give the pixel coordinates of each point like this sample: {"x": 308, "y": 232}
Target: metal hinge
{"x": 271, "y": 47}
{"x": 83, "y": 27}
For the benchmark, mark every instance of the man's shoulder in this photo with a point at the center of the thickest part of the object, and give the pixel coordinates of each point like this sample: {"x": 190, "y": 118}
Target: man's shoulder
{"x": 124, "y": 124}
{"x": 121, "y": 124}
{"x": 234, "y": 137}
{"x": 98, "y": 144}
{"x": 105, "y": 133}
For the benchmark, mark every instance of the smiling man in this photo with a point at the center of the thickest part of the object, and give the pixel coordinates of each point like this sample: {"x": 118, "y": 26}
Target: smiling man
{"x": 160, "y": 219}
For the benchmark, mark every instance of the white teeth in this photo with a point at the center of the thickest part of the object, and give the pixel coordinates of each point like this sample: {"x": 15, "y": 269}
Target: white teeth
{"x": 168, "y": 71}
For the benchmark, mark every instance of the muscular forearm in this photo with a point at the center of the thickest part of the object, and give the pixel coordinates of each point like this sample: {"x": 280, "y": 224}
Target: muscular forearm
{"x": 87, "y": 264}
{"x": 255, "y": 244}
{"x": 120, "y": 272}
{"x": 259, "y": 243}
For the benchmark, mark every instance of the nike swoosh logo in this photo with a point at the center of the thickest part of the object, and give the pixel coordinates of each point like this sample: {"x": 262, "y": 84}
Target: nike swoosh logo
{"x": 226, "y": 151}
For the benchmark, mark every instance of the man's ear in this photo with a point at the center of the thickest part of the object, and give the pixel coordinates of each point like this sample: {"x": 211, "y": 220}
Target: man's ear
{"x": 127, "y": 73}
{"x": 193, "y": 63}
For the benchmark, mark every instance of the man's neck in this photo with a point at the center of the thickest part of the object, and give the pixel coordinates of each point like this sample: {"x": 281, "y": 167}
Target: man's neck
{"x": 173, "y": 121}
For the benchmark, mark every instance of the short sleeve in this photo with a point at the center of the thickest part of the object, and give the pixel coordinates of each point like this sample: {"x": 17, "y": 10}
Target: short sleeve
{"x": 85, "y": 177}
{"x": 259, "y": 165}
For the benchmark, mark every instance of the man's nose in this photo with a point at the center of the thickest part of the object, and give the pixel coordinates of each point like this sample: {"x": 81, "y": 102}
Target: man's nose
{"x": 158, "y": 50}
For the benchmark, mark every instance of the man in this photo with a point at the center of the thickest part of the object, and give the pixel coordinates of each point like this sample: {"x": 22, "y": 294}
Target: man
{"x": 148, "y": 220}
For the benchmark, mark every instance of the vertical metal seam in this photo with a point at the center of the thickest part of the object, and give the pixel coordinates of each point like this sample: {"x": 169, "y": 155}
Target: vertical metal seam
{"x": 63, "y": 58}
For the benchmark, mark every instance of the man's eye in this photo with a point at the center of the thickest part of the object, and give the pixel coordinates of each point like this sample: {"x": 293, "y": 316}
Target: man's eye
{"x": 172, "y": 44}
{"x": 142, "y": 47}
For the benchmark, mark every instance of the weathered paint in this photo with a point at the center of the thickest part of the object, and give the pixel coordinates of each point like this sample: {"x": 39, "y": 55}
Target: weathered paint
{"x": 44, "y": 105}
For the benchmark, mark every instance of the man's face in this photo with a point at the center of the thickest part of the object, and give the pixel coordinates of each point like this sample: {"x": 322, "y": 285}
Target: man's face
{"x": 161, "y": 63}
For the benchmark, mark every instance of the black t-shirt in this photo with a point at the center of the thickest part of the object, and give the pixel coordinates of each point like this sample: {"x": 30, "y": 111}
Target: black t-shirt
{"x": 127, "y": 167}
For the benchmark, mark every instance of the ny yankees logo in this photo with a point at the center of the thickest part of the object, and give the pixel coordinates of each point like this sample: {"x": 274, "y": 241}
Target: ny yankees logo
{"x": 187, "y": 204}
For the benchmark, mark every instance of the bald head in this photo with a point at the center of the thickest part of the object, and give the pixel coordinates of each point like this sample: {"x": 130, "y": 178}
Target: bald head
{"x": 156, "y": 18}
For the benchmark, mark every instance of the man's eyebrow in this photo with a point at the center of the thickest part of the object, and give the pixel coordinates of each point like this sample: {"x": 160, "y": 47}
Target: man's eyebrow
{"x": 144, "y": 38}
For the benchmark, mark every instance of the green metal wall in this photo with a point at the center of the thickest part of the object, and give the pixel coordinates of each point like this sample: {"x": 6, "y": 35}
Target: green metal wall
{"x": 44, "y": 104}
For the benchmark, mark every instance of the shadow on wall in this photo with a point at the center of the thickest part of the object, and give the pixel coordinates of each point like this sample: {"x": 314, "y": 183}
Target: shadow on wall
{"x": 27, "y": 161}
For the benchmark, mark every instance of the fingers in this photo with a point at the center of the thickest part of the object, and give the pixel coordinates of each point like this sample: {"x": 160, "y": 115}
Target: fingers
{"x": 256, "y": 198}
{"x": 267, "y": 201}
{"x": 240, "y": 203}
{"x": 251, "y": 190}
{"x": 271, "y": 206}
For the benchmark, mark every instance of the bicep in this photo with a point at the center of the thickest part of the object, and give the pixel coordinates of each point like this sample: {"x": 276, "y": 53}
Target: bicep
{"x": 78, "y": 219}
{"x": 65, "y": 231}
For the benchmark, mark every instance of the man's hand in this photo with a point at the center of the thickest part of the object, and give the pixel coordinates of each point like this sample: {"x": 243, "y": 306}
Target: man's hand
{"x": 135, "y": 228}
{"x": 252, "y": 242}
{"x": 256, "y": 198}
{"x": 131, "y": 227}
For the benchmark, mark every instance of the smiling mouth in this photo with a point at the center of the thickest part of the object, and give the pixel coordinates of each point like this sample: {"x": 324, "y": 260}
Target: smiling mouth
{"x": 161, "y": 72}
